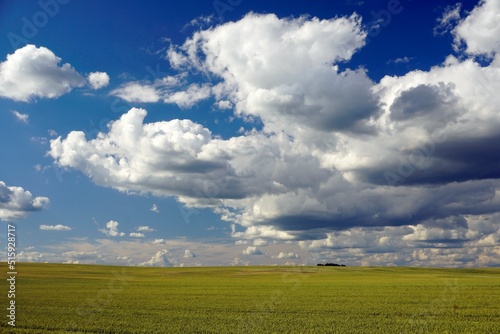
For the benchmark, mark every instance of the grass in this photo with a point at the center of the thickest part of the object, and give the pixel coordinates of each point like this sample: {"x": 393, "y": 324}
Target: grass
{"x": 57, "y": 298}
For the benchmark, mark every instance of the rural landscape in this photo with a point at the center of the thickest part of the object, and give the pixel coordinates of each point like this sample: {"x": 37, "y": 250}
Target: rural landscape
{"x": 57, "y": 298}
{"x": 250, "y": 166}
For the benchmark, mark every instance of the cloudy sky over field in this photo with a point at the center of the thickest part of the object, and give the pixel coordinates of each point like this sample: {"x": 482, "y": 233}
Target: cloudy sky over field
{"x": 236, "y": 132}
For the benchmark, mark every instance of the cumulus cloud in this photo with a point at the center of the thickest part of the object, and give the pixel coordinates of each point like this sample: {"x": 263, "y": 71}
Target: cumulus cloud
{"x": 282, "y": 71}
{"x": 145, "y": 229}
{"x": 32, "y": 72}
{"x": 98, "y": 80}
{"x": 136, "y": 235}
{"x": 455, "y": 242}
{"x": 189, "y": 254}
{"x": 160, "y": 259}
{"x": 238, "y": 262}
{"x": 57, "y": 227}
{"x": 341, "y": 163}
{"x": 16, "y": 203}
{"x": 260, "y": 242}
{"x": 111, "y": 229}
{"x": 284, "y": 255}
{"x": 23, "y": 118}
{"x": 31, "y": 256}
{"x": 170, "y": 89}
{"x": 251, "y": 250}
{"x": 479, "y": 31}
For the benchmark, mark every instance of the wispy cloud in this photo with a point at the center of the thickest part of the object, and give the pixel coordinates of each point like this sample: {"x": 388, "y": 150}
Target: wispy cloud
{"x": 58, "y": 227}
{"x": 154, "y": 208}
{"x": 402, "y": 60}
{"x": 23, "y": 118}
{"x": 448, "y": 20}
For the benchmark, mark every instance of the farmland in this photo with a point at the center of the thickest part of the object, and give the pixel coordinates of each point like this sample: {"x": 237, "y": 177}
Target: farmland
{"x": 57, "y": 298}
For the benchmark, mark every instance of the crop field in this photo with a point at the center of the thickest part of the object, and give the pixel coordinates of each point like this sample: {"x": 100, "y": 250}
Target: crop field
{"x": 57, "y": 298}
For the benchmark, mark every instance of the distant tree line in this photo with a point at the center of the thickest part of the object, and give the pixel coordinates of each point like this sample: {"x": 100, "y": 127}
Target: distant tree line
{"x": 331, "y": 265}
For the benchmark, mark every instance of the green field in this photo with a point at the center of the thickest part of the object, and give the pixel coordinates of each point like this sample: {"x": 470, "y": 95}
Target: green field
{"x": 56, "y": 298}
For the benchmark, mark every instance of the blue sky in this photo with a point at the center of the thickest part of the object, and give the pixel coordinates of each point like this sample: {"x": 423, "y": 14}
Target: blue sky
{"x": 251, "y": 132}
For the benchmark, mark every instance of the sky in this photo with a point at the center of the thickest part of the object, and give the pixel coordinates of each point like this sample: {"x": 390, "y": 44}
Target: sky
{"x": 237, "y": 132}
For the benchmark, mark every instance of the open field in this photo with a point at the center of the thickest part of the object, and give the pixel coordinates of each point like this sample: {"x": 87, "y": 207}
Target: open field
{"x": 56, "y": 298}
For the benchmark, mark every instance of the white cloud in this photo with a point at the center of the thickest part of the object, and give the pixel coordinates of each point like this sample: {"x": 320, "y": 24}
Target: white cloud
{"x": 23, "y": 118}
{"x": 160, "y": 259}
{"x": 402, "y": 60}
{"x": 111, "y": 229}
{"x": 238, "y": 262}
{"x": 57, "y": 227}
{"x": 188, "y": 97}
{"x": 170, "y": 89}
{"x": 154, "y": 208}
{"x": 32, "y": 72}
{"x": 284, "y": 255}
{"x": 159, "y": 242}
{"x": 200, "y": 22}
{"x": 136, "y": 235}
{"x": 260, "y": 242}
{"x": 145, "y": 229}
{"x": 224, "y": 104}
{"x": 40, "y": 140}
{"x": 98, "y": 80}
{"x": 136, "y": 92}
{"x": 78, "y": 257}
{"x": 27, "y": 256}
{"x": 391, "y": 165}
{"x": 480, "y": 29}
{"x": 448, "y": 20}
{"x": 189, "y": 254}
{"x": 281, "y": 71}
{"x": 16, "y": 203}
{"x": 251, "y": 250}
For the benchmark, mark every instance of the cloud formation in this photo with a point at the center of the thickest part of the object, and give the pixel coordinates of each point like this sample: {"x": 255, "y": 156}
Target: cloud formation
{"x": 16, "y": 203}
{"x": 479, "y": 31}
{"x": 189, "y": 254}
{"x": 283, "y": 71}
{"x": 448, "y": 20}
{"x": 145, "y": 229}
{"x": 23, "y": 118}
{"x": 170, "y": 89}
{"x": 57, "y": 227}
{"x": 284, "y": 255}
{"x": 32, "y": 72}
{"x": 98, "y": 80}
{"x": 251, "y": 250}
{"x": 341, "y": 162}
{"x": 111, "y": 229}
{"x": 155, "y": 209}
{"x": 160, "y": 259}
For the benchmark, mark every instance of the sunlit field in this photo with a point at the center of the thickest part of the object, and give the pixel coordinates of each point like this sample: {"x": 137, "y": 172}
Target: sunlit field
{"x": 57, "y": 298}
